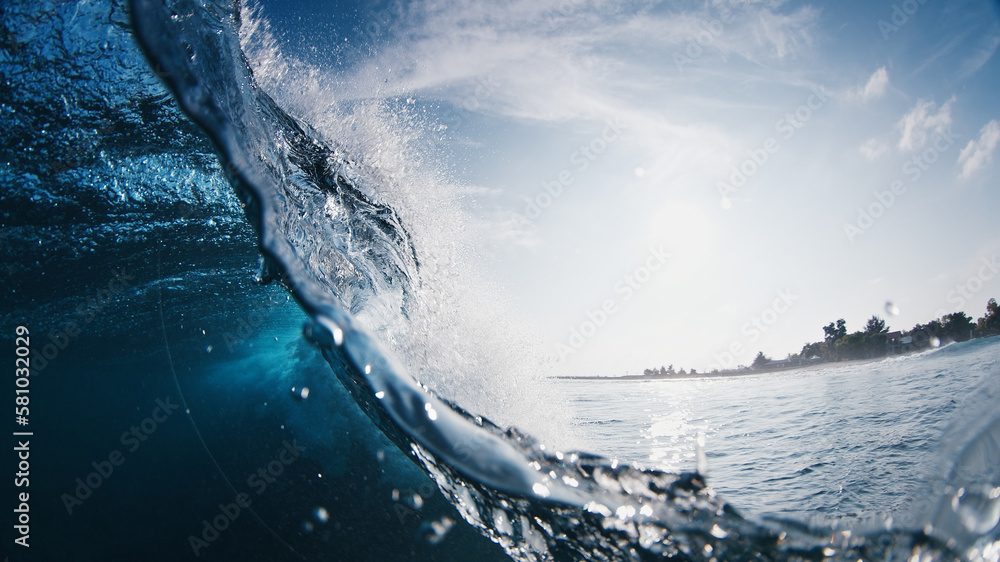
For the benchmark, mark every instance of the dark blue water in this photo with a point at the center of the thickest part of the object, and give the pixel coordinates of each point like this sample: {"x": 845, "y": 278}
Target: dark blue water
{"x": 227, "y": 310}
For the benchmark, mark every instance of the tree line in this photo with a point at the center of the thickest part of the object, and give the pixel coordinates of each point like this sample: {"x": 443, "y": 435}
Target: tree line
{"x": 873, "y": 341}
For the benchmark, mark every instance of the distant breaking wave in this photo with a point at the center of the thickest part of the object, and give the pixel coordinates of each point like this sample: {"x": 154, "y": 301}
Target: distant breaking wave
{"x": 343, "y": 253}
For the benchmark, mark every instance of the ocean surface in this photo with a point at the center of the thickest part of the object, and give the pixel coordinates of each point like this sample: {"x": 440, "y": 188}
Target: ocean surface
{"x": 248, "y": 340}
{"x": 854, "y": 446}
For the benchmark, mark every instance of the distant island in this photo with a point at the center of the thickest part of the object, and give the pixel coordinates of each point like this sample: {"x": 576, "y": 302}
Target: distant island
{"x": 873, "y": 342}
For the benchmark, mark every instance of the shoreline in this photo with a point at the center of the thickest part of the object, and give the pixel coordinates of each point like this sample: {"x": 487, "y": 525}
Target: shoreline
{"x": 746, "y": 372}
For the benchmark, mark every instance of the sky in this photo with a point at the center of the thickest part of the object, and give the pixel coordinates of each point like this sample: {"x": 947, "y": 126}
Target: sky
{"x": 689, "y": 183}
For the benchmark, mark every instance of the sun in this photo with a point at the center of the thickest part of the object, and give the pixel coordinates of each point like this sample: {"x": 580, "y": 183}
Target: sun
{"x": 681, "y": 228}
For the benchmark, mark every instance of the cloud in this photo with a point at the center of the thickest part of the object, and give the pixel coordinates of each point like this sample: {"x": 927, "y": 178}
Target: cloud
{"x": 573, "y": 65}
{"x": 982, "y": 54}
{"x": 559, "y": 60}
{"x": 567, "y": 66}
{"x": 872, "y": 149}
{"x": 920, "y": 121}
{"x": 874, "y": 88}
{"x": 979, "y": 153}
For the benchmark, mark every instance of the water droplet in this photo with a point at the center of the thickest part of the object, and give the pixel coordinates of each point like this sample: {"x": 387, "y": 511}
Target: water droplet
{"x": 891, "y": 309}
{"x": 321, "y": 331}
{"x": 978, "y": 509}
{"x": 598, "y": 508}
{"x": 434, "y": 532}
{"x": 718, "y": 532}
{"x": 541, "y": 490}
{"x": 321, "y": 515}
{"x": 380, "y": 394}
{"x": 304, "y": 393}
{"x": 625, "y": 512}
{"x": 934, "y": 341}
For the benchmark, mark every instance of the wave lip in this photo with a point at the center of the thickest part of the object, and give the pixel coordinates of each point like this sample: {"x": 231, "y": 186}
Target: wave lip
{"x": 288, "y": 188}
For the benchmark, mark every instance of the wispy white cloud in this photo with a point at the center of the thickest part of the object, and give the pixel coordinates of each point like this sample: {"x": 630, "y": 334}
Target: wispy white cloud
{"x": 979, "y": 152}
{"x": 775, "y": 34}
{"x": 562, "y": 60}
{"x": 875, "y": 87}
{"x": 872, "y": 149}
{"x": 921, "y": 121}
{"x": 559, "y": 62}
{"x": 982, "y": 54}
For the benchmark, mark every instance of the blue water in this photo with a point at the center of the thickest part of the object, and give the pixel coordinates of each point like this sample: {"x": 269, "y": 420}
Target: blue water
{"x": 247, "y": 344}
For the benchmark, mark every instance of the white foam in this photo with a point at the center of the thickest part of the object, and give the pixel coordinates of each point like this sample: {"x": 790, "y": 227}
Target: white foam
{"x": 459, "y": 339}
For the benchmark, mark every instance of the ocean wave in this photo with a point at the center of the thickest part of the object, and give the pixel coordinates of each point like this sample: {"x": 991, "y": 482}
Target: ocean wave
{"x": 326, "y": 233}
